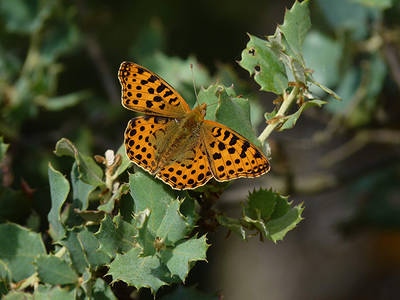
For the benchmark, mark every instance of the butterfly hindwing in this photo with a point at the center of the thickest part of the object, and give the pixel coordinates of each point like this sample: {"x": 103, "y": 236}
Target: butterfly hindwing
{"x": 143, "y": 91}
{"x": 231, "y": 155}
{"x": 190, "y": 173}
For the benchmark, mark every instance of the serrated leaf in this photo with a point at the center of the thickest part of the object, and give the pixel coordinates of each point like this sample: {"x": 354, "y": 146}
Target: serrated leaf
{"x": 80, "y": 190}
{"x": 259, "y": 59}
{"x": 3, "y": 149}
{"x": 233, "y": 225}
{"x": 178, "y": 259}
{"x": 17, "y": 296}
{"x": 57, "y": 293}
{"x": 277, "y": 228}
{"x": 108, "y": 207}
{"x": 290, "y": 120}
{"x": 53, "y": 270}
{"x": 20, "y": 250}
{"x": 116, "y": 235}
{"x": 295, "y": 26}
{"x": 261, "y": 203}
{"x": 188, "y": 293}
{"x": 59, "y": 189}
{"x": 89, "y": 171}
{"x": 95, "y": 256}
{"x": 139, "y": 271}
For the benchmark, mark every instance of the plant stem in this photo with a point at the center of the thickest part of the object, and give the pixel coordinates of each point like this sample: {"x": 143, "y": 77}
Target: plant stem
{"x": 287, "y": 102}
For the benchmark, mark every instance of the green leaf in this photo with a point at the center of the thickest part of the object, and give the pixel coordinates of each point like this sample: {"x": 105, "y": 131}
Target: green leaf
{"x": 115, "y": 236}
{"x": 290, "y": 120}
{"x": 150, "y": 193}
{"x": 259, "y": 59}
{"x": 89, "y": 171}
{"x": 295, "y": 26}
{"x": 173, "y": 226}
{"x": 59, "y": 189}
{"x": 20, "y": 250}
{"x": 76, "y": 251}
{"x": 260, "y": 204}
{"x": 188, "y": 209}
{"x": 188, "y": 293}
{"x": 277, "y": 228}
{"x": 57, "y": 293}
{"x": 139, "y": 271}
{"x": 95, "y": 256}
{"x": 379, "y": 4}
{"x": 18, "y": 296}
{"x": 108, "y": 207}
{"x": 80, "y": 190}
{"x": 53, "y": 270}
{"x": 3, "y": 149}
{"x": 179, "y": 258}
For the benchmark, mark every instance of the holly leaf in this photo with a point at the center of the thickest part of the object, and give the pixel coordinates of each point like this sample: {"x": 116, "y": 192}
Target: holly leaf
{"x": 139, "y": 271}
{"x": 260, "y": 60}
{"x": 179, "y": 259}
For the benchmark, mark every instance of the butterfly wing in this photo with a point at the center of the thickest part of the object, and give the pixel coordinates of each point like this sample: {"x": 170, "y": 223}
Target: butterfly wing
{"x": 140, "y": 140}
{"x": 189, "y": 173}
{"x": 231, "y": 155}
{"x": 143, "y": 91}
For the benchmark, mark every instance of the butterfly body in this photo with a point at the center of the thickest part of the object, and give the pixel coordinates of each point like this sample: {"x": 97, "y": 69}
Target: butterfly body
{"x": 177, "y": 144}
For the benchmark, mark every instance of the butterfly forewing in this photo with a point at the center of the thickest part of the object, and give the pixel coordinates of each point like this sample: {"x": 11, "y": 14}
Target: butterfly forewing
{"x": 231, "y": 155}
{"x": 143, "y": 91}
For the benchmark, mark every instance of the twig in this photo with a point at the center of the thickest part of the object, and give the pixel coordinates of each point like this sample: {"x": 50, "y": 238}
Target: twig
{"x": 287, "y": 102}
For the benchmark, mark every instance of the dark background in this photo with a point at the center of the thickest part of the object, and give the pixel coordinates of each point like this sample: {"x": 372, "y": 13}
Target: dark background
{"x": 341, "y": 161}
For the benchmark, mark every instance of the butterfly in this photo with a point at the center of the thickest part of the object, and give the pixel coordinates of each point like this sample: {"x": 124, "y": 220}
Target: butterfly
{"x": 176, "y": 144}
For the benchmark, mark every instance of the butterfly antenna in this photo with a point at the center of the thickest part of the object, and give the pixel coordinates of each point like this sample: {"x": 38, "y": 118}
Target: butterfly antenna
{"x": 194, "y": 84}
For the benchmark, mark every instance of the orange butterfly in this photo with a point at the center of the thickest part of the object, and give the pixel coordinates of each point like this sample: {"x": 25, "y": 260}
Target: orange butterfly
{"x": 175, "y": 143}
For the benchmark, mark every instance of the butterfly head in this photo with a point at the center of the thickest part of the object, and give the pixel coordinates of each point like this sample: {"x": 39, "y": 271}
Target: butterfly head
{"x": 200, "y": 110}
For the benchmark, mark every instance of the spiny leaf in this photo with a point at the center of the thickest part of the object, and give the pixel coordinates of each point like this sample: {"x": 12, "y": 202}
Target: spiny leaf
{"x": 259, "y": 59}
{"x": 47, "y": 292}
{"x": 295, "y": 27}
{"x": 116, "y": 235}
{"x": 80, "y": 190}
{"x": 139, "y": 271}
{"x": 178, "y": 259}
